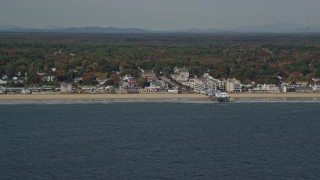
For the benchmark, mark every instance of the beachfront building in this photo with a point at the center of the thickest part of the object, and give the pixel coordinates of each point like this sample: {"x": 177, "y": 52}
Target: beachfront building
{"x": 155, "y": 86}
{"x": 272, "y": 88}
{"x": 26, "y": 91}
{"x": 315, "y": 87}
{"x": 182, "y": 76}
{"x": 2, "y": 90}
{"x": 304, "y": 89}
{"x": 246, "y": 87}
{"x": 259, "y": 89}
{"x": 301, "y": 84}
{"x": 233, "y": 85}
{"x": 65, "y": 88}
{"x": 206, "y": 84}
{"x": 198, "y": 85}
{"x": 222, "y": 84}
{"x": 211, "y": 83}
{"x": 162, "y": 84}
{"x": 286, "y": 87}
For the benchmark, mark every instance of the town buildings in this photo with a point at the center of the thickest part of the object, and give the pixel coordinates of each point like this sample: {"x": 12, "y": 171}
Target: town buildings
{"x": 233, "y": 85}
{"x": 181, "y": 80}
{"x": 182, "y": 75}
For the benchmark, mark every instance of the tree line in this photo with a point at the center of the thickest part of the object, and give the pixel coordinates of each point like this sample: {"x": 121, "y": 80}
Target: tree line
{"x": 249, "y": 57}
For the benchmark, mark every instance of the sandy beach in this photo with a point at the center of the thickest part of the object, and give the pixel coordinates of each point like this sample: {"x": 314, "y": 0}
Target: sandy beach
{"x": 275, "y": 95}
{"x": 158, "y": 97}
{"x": 103, "y": 97}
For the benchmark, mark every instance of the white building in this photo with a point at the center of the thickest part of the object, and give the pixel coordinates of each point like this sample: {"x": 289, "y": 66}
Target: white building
{"x": 315, "y": 87}
{"x": 182, "y": 72}
{"x": 66, "y": 88}
{"x": 272, "y": 88}
{"x": 207, "y": 83}
{"x": 182, "y": 76}
{"x": 2, "y": 82}
{"x": 48, "y": 78}
{"x": 233, "y": 85}
{"x": 198, "y": 85}
{"x": 222, "y": 84}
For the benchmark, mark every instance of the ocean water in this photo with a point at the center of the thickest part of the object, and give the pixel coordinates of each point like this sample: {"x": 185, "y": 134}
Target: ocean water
{"x": 160, "y": 140}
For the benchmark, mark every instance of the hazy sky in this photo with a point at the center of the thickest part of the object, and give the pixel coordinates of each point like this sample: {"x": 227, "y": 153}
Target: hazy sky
{"x": 157, "y": 14}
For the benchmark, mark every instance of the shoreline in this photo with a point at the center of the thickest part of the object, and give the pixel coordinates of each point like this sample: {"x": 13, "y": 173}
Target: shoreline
{"x": 41, "y": 97}
{"x": 275, "y": 95}
{"x": 167, "y": 97}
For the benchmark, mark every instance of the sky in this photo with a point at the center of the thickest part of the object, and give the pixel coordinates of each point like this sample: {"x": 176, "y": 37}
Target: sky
{"x": 157, "y": 14}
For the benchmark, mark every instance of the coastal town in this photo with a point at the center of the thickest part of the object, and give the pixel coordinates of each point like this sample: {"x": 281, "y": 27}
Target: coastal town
{"x": 154, "y": 64}
{"x": 180, "y": 81}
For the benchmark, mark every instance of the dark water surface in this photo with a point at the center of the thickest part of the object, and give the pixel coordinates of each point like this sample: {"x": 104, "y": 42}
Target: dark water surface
{"x": 160, "y": 141}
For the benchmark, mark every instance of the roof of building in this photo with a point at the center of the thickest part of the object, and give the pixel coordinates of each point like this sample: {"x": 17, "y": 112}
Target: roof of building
{"x": 233, "y": 80}
{"x": 148, "y": 73}
{"x": 183, "y": 70}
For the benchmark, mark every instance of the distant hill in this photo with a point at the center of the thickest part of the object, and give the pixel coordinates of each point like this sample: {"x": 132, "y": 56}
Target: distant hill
{"x": 74, "y": 29}
{"x": 269, "y": 28}
{"x": 198, "y": 30}
{"x": 104, "y": 30}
